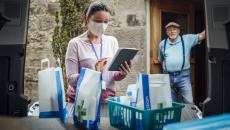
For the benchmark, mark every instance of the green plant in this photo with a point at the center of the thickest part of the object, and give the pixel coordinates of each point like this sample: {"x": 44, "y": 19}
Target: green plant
{"x": 80, "y": 110}
{"x": 71, "y": 25}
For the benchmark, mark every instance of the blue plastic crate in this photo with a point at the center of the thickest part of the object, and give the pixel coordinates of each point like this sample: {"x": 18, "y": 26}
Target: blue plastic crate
{"x": 125, "y": 117}
{"x": 210, "y": 123}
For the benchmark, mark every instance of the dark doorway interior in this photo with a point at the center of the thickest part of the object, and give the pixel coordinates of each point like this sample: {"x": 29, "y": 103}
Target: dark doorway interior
{"x": 199, "y": 53}
{"x": 181, "y": 18}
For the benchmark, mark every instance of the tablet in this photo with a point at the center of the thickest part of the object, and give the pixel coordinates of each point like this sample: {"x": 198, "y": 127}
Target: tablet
{"x": 122, "y": 55}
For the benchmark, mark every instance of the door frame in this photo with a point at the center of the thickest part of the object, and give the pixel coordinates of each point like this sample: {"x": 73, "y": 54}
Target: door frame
{"x": 156, "y": 9}
{"x": 175, "y": 6}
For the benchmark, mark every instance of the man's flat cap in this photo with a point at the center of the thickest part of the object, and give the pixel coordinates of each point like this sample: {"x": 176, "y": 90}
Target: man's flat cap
{"x": 172, "y": 24}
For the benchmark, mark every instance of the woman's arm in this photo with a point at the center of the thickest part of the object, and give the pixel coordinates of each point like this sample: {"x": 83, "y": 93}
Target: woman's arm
{"x": 72, "y": 63}
{"x": 119, "y": 75}
{"x": 72, "y": 69}
{"x": 72, "y": 72}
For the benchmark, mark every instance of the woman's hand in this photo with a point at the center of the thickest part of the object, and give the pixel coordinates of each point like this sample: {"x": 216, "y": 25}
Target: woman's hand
{"x": 100, "y": 65}
{"x": 107, "y": 94}
{"x": 125, "y": 68}
{"x": 70, "y": 94}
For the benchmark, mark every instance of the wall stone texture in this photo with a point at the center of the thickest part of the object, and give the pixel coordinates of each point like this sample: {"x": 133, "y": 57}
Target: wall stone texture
{"x": 40, "y": 30}
{"x": 127, "y": 24}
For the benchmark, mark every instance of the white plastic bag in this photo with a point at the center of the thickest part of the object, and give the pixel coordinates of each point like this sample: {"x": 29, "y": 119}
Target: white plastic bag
{"x": 51, "y": 92}
{"x": 153, "y": 91}
{"x": 131, "y": 92}
{"x": 88, "y": 99}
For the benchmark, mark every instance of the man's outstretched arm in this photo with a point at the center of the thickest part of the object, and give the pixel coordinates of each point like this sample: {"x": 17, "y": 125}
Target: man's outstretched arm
{"x": 202, "y": 36}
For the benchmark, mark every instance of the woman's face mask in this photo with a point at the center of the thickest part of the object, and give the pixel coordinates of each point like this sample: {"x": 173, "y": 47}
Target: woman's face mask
{"x": 97, "y": 28}
{"x": 98, "y": 22}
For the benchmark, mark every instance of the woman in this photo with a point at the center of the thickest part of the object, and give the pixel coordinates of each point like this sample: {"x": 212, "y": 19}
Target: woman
{"x": 94, "y": 50}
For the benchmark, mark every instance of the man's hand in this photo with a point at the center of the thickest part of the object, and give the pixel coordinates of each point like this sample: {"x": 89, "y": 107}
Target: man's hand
{"x": 156, "y": 62}
{"x": 202, "y": 36}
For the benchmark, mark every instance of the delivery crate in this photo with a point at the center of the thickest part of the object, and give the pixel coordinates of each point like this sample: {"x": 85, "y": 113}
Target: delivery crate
{"x": 126, "y": 117}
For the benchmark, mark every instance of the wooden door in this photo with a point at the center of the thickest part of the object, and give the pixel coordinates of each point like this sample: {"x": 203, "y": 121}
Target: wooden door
{"x": 162, "y": 12}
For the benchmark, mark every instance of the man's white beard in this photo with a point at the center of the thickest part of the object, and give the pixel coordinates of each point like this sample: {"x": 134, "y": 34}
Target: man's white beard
{"x": 173, "y": 37}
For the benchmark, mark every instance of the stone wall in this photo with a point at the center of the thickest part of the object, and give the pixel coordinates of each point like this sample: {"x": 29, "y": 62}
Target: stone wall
{"x": 40, "y": 31}
{"x": 127, "y": 25}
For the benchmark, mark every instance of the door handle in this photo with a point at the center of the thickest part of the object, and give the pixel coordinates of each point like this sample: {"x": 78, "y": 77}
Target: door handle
{"x": 212, "y": 59}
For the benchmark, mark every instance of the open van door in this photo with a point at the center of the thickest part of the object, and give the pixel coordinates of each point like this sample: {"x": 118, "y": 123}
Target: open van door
{"x": 218, "y": 57}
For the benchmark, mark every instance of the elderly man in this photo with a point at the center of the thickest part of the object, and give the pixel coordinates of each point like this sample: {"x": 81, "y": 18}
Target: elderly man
{"x": 174, "y": 54}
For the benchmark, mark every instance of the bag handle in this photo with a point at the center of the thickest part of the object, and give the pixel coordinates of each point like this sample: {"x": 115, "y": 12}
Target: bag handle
{"x": 59, "y": 62}
{"x": 46, "y": 60}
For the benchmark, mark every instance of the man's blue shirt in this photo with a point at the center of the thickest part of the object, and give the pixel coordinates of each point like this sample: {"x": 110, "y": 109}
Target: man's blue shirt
{"x": 174, "y": 52}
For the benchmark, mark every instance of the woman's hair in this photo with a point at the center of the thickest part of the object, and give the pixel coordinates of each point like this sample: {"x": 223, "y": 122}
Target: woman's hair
{"x": 93, "y": 8}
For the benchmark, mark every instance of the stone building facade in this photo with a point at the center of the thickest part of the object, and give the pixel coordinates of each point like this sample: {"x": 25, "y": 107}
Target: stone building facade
{"x": 40, "y": 30}
{"x": 127, "y": 24}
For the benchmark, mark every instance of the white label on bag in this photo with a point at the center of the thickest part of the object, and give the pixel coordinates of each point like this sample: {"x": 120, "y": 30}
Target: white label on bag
{"x": 103, "y": 85}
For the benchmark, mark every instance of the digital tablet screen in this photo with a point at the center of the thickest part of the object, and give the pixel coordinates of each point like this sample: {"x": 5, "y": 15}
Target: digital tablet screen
{"x": 122, "y": 55}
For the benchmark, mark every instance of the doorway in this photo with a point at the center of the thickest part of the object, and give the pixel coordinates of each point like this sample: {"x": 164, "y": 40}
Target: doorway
{"x": 190, "y": 15}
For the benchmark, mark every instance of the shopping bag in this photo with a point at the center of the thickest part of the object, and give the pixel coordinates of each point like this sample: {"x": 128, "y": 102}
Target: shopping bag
{"x": 153, "y": 91}
{"x": 52, "y": 102}
{"x": 131, "y": 92}
{"x": 88, "y": 99}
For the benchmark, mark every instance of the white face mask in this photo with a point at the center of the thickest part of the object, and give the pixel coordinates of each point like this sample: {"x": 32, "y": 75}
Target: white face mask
{"x": 97, "y": 28}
